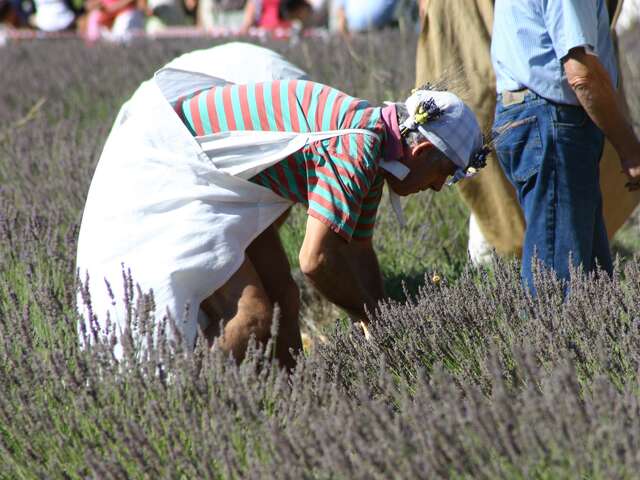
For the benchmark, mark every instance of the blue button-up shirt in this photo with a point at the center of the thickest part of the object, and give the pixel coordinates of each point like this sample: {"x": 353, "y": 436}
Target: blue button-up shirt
{"x": 531, "y": 37}
{"x": 366, "y": 14}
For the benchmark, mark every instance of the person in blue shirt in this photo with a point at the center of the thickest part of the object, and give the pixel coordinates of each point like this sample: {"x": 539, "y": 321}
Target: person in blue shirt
{"x": 556, "y": 82}
{"x": 363, "y": 15}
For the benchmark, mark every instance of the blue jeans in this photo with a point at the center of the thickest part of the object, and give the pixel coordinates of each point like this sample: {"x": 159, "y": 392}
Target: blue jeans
{"x": 551, "y": 154}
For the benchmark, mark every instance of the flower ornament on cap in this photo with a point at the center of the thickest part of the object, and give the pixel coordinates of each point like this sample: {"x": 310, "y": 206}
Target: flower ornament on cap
{"x": 443, "y": 119}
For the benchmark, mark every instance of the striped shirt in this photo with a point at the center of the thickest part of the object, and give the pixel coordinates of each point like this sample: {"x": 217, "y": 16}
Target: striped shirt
{"x": 337, "y": 179}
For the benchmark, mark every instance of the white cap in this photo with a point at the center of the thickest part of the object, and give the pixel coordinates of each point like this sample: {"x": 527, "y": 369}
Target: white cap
{"x": 455, "y": 132}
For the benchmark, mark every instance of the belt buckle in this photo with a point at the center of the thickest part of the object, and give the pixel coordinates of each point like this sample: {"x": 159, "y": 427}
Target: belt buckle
{"x": 513, "y": 98}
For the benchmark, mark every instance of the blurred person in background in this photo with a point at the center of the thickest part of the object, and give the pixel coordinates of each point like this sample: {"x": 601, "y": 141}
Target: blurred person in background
{"x": 228, "y": 14}
{"x": 275, "y": 14}
{"x": 408, "y": 15}
{"x": 556, "y": 78}
{"x": 113, "y": 19}
{"x": 53, "y": 16}
{"x": 319, "y": 13}
{"x": 191, "y": 11}
{"x": 454, "y": 46}
{"x": 15, "y": 13}
{"x": 628, "y": 16}
{"x": 162, "y": 14}
{"x": 627, "y": 27}
{"x": 8, "y": 14}
{"x": 363, "y": 15}
{"x": 197, "y": 174}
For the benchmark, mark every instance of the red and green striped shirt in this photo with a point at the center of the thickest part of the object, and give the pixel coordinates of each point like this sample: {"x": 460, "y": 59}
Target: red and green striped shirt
{"x": 337, "y": 179}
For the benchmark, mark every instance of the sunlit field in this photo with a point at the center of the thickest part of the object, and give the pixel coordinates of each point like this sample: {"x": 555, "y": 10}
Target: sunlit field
{"x": 466, "y": 376}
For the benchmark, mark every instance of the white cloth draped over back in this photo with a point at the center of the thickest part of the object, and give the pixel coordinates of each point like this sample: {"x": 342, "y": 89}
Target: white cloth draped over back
{"x": 174, "y": 210}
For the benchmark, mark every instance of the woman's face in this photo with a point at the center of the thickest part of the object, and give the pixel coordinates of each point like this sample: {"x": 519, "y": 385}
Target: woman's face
{"x": 429, "y": 169}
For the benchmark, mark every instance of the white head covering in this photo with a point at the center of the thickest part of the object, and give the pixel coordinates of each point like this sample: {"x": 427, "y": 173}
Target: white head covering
{"x": 53, "y": 15}
{"x": 444, "y": 120}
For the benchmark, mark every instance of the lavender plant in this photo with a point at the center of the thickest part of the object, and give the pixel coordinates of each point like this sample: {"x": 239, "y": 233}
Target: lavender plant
{"x": 466, "y": 377}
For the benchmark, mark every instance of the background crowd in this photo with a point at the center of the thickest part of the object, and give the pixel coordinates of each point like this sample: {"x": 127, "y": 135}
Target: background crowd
{"x": 117, "y": 19}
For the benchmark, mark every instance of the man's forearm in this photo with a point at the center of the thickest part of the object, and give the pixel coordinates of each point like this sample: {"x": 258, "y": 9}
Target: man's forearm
{"x": 365, "y": 261}
{"x": 347, "y": 274}
{"x": 248, "y": 16}
{"x": 341, "y": 20}
{"x": 349, "y": 287}
{"x": 595, "y": 92}
{"x": 422, "y": 9}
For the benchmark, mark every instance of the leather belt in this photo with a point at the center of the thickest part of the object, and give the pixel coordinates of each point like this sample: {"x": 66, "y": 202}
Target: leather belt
{"x": 514, "y": 98}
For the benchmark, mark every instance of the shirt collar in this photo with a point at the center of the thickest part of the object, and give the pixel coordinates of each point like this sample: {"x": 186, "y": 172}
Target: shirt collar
{"x": 393, "y": 151}
{"x": 393, "y": 148}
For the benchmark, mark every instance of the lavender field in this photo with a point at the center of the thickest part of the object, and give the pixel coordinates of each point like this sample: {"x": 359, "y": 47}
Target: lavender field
{"x": 468, "y": 377}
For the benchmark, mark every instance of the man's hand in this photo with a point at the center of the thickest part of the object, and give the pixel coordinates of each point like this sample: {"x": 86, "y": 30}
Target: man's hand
{"x": 631, "y": 167}
{"x": 347, "y": 274}
{"x": 422, "y": 9}
{"x": 341, "y": 21}
{"x": 596, "y": 93}
{"x": 248, "y": 17}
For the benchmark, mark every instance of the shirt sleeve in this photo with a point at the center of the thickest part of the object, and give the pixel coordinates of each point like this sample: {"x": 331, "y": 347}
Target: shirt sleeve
{"x": 341, "y": 188}
{"x": 571, "y": 24}
{"x": 369, "y": 211}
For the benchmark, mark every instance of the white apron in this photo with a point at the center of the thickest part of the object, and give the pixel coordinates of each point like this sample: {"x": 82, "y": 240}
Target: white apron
{"x": 176, "y": 211}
